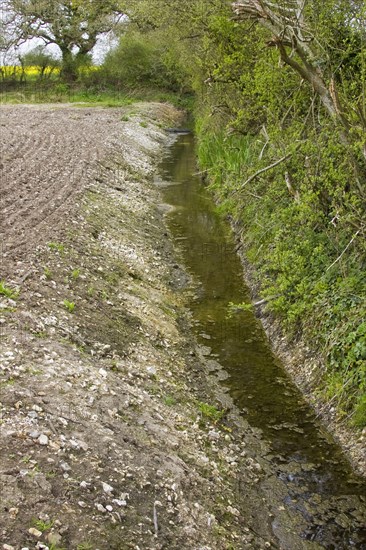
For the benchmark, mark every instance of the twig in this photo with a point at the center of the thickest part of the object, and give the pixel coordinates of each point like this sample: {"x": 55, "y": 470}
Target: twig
{"x": 156, "y": 526}
{"x": 266, "y": 300}
{"x": 345, "y": 250}
{"x": 262, "y": 170}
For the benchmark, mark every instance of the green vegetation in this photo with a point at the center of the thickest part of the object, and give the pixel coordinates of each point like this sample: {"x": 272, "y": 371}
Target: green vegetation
{"x": 7, "y": 291}
{"x": 85, "y": 546}
{"x": 280, "y": 141}
{"x": 210, "y": 412}
{"x": 169, "y": 401}
{"x": 70, "y": 306}
{"x": 40, "y": 62}
{"x": 73, "y": 27}
{"x": 43, "y": 525}
{"x": 75, "y": 274}
{"x": 58, "y": 247}
{"x": 237, "y": 308}
{"x": 47, "y": 273}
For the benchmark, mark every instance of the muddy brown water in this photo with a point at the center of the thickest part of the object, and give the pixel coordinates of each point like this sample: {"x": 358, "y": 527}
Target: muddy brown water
{"x": 316, "y": 479}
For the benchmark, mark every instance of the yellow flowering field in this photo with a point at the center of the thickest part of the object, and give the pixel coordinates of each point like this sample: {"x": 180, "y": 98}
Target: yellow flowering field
{"x": 7, "y": 71}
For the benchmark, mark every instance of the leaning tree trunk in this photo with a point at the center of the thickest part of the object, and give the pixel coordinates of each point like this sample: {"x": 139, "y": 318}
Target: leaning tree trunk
{"x": 285, "y": 22}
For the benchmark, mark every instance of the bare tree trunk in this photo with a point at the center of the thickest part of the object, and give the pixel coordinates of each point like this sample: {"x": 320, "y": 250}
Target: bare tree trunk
{"x": 68, "y": 68}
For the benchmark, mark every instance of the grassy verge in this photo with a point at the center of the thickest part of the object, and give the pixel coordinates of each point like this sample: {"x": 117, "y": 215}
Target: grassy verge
{"x": 57, "y": 92}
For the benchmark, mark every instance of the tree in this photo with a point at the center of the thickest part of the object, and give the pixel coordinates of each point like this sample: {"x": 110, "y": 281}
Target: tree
{"x": 72, "y": 25}
{"x": 297, "y": 33}
{"x": 40, "y": 58}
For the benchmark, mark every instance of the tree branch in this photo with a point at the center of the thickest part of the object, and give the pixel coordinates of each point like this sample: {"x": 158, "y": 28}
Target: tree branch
{"x": 345, "y": 250}
{"x": 262, "y": 170}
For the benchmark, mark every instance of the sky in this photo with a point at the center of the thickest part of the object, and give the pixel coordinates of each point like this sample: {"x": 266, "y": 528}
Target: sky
{"x": 104, "y": 44}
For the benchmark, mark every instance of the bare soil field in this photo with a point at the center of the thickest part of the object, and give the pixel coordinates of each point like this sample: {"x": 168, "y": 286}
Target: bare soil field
{"x": 49, "y": 157}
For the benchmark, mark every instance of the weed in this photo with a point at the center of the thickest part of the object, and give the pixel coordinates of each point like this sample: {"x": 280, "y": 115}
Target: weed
{"x": 113, "y": 278}
{"x": 84, "y": 546}
{"x": 125, "y": 118}
{"x": 43, "y": 525}
{"x": 40, "y": 334}
{"x": 105, "y": 295}
{"x": 91, "y": 291}
{"x": 70, "y": 306}
{"x": 47, "y": 273}
{"x": 58, "y": 247}
{"x": 210, "y": 412}
{"x": 9, "y": 382}
{"x": 169, "y": 401}
{"x": 80, "y": 348}
{"x": 114, "y": 366}
{"x": 359, "y": 418}
{"x": 7, "y": 291}
{"x": 34, "y": 372}
{"x": 143, "y": 124}
{"x": 75, "y": 274}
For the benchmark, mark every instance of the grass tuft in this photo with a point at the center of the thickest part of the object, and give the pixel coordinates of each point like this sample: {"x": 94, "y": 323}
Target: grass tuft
{"x": 7, "y": 291}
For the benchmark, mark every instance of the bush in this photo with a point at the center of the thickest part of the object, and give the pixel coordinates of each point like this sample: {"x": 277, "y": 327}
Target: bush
{"x": 42, "y": 60}
{"x": 144, "y": 61}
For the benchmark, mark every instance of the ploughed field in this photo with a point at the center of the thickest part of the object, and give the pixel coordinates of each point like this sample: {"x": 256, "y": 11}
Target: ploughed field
{"x": 49, "y": 155}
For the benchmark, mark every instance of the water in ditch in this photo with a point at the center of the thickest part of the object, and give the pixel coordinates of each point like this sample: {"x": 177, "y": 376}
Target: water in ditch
{"x": 317, "y": 481}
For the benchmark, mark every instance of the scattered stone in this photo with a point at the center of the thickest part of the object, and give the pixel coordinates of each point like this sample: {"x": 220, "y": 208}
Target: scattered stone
{"x": 13, "y": 512}
{"x": 107, "y": 488}
{"x": 233, "y": 511}
{"x": 119, "y": 502}
{"x": 34, "y": 532}
{"x": 65, "y": 467}
{"x": 151, "y": 371}
{"x": 100, "y": 508}
{"x": 8, "y": 547}
{"x": 43, "y": 439}
{"x": 109, "y": 508}
{"x": 212, "y": 434}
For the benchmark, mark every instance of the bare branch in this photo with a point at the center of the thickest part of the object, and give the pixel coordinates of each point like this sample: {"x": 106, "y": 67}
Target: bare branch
{"x": 344, "y": 251}
{"x": 263, "y": 170}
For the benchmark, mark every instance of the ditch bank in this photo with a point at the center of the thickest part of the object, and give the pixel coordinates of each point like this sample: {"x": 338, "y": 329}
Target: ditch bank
{"x": 307, "y": 370}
